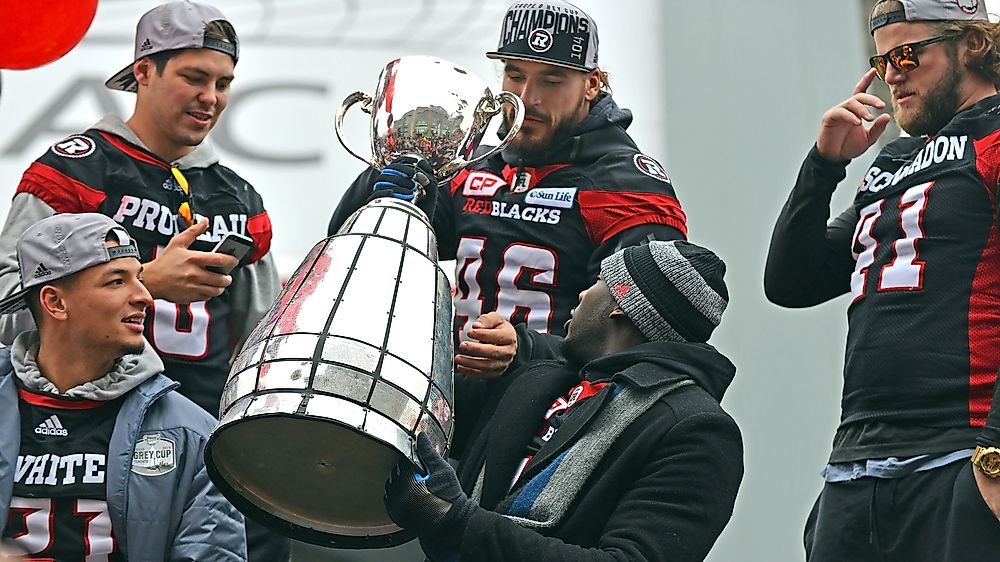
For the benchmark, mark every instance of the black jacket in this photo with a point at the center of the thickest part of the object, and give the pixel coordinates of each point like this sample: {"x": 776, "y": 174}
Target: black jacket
{"x": 663, "y": 491}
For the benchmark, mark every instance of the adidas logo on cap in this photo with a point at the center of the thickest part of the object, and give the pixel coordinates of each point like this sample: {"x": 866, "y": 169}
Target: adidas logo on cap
{"x": 41, "y": 271}
{"x": 51, "y": 426}
{"x": 146, "y": 45}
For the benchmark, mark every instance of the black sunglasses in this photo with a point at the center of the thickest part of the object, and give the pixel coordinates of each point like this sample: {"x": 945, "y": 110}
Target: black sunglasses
{"x": 904, "y": 57}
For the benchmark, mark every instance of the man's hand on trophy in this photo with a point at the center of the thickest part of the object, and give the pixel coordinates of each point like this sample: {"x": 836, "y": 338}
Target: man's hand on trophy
{"x": 408, "y": 178}
{"x": 493, "y": 350}
{"x": 433, "y": 503}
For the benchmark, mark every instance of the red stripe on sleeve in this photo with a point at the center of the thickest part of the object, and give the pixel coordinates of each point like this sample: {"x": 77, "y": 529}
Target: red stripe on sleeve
{"x": 606, "y": 213}
{"x": 59, "y": 191}
{"x": 259, "y": 228}
{"x": 984, "y": 320}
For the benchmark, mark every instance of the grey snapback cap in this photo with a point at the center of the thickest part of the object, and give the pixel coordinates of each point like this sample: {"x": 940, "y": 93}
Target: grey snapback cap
{"x": 174, "y": 25}
{"x": 550, "y": 32}
{"x": 64, "y": 244}
{"x": 931, "y": 10}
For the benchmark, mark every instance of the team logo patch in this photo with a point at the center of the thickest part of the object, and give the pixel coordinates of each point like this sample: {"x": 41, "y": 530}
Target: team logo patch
{"x": 540, "y": 40}
{"x": 968, "y": 6}
{"x": 154, "y": 455}
{"x": 561, "y": 197}
{"x": 482, "y": 184}
{"x": 650, "y": 167}
{"x": 76, "y": 146}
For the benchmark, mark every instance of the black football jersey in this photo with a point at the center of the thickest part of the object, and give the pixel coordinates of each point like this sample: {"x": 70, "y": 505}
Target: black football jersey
{"x": 99, "y": 172}
{"x": 59, "y": 510}
{"x": 924, "y": 322}
{"x": 525, "y": 238}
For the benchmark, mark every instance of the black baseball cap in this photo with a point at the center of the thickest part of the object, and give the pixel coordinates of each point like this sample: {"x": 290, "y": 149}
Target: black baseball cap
{"x": 551, "y": 32}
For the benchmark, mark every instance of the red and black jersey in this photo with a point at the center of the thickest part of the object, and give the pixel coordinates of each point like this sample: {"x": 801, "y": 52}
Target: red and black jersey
{"x": 59, "y": 510}
{"x": 528, "y": 237}
{"x": 919, "y": 254}
{"x": 100, "y": 172}
{"x": 924, "y": 337}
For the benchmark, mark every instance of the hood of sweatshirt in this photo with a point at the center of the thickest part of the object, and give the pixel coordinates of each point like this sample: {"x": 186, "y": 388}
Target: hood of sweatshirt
{"x": 700, "y": 362}
{"x": 128, "y": 372}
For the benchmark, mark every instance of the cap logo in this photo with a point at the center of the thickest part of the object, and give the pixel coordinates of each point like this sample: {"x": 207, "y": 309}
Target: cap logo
{"x": 540, "y": 40}
{"x": 968, "y": 6}
{"x": 146, "y": 45}
{"x": 621, "y": 290}
{"x": 41, "y": 271}
{"x": 650, "y": 167}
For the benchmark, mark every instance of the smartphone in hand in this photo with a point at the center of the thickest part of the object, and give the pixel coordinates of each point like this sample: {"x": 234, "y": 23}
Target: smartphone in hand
{"x": 235, "y": 245}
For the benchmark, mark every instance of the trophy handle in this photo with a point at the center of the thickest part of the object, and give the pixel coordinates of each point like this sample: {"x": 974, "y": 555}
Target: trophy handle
{"x": 491, "y": 106}
{"x": 366, "y": 106}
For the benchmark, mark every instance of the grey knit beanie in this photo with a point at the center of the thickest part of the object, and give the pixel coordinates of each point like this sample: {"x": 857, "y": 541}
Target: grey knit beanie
{"x": 671, "y": 291}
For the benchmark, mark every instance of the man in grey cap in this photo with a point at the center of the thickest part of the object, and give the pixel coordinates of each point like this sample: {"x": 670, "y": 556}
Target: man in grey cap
{"x": 918, "y": 253}
{"x": 99, "y": 455}
{"x": 157, "y": 176}
{"x": 621, "y": 450}
{"x": 529, "y": 227}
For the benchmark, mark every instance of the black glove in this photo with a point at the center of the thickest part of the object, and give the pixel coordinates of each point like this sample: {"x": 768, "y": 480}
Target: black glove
{"x": 405, "y": 178}
{"x": 432, "y": 504}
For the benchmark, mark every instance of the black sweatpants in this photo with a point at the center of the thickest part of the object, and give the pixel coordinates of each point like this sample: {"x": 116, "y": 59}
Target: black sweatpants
{"x": 935, "y": 516}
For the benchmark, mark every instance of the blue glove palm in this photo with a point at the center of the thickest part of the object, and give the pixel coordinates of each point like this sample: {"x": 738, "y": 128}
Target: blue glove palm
{"x": 405, "y": 178}
{"x": 432, "y": 504}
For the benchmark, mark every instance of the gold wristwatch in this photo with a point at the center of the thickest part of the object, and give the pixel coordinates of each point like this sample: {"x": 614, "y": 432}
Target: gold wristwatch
{"x": 987, "y": 459}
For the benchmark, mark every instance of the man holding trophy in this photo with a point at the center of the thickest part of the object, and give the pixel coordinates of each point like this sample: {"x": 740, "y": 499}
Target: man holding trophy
{"x": 529, "y": 226}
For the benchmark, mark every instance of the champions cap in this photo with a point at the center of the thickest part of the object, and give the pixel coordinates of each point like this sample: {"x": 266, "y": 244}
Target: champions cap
{"x": 671, "y": 291}
{"x": 174, "y": 25}
{"x": 930, "y": 10}
{"x": 552, "y": 32}
{"x": 64, "y": 244}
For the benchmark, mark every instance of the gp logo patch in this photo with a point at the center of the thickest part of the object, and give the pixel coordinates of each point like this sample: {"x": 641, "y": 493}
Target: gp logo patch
{"x": 154, "y": 455}
{"x": 482, "y": 184}
{"x": 76, "y": 146}
{"x": 650, "y": 167}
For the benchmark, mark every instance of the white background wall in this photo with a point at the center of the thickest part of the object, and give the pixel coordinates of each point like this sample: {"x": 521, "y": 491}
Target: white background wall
{"x": 727, "y": 95}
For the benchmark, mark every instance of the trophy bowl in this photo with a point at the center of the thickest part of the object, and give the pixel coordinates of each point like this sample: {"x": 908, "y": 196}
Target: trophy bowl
{"x": 432, "y": 109}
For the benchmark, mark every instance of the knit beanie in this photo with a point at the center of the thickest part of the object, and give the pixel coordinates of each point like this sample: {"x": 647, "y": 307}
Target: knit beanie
{"x": 671, "y": 291}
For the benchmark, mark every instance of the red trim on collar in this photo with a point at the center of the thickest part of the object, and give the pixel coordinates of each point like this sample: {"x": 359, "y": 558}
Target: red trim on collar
{"x": 50, "y": 401}
{"x": 133, "y": 151}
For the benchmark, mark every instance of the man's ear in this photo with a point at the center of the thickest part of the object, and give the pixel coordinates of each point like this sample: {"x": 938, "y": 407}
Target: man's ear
{"x": 617, "y": 312}
{"x": 593, "y": 84}
{"x": 52, "y": 302}
{"x": 142, "y": 69}
{"x": 974, "y": 42}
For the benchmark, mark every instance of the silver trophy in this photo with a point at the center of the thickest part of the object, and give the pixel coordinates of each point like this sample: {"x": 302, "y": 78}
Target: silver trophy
{"x": 432, "y": 109}
{"x": 355, "y": 356}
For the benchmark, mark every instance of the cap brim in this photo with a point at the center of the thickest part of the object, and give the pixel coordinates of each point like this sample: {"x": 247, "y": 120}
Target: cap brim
{"x": 123, "y": 80}
{"x": 14, "y": 303}
{"x": 497, "y": 55}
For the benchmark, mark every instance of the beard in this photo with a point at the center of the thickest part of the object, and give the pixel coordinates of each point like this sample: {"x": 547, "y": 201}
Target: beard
{"x": 936, "y": 108}
{"x": 534, "y": 149}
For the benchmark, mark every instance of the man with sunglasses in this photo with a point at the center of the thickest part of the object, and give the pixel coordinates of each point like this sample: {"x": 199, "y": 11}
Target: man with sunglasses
{"x": 919, "y": 253}
{"x": 155, "y": 175}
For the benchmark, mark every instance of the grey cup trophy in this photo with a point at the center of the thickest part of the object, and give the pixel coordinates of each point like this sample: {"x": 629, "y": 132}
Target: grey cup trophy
{"x": 354, "y": 358}
{"x": 432, "y": 109}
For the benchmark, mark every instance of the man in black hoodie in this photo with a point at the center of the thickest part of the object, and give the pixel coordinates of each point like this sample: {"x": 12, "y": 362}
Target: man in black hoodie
{"x": 618, "y": 450}
{"x": 528, "y": 228}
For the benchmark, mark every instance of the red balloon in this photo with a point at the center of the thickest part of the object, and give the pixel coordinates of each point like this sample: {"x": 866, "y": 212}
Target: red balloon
{"x": 37, "y": 32}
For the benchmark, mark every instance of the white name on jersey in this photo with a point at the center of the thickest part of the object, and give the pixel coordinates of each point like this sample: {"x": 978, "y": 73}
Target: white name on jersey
{"x": 941, "y": 149}
{"x": 53, "y": 470}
